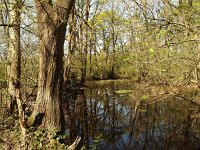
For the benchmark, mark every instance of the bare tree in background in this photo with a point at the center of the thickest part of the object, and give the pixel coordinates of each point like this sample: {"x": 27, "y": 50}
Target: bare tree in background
{"x": 14, "y": 52}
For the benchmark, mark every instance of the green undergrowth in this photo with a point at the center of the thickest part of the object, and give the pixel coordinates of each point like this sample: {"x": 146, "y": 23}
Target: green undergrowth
{"x": 35, "y": 139}
{"x": 45, "y": 140}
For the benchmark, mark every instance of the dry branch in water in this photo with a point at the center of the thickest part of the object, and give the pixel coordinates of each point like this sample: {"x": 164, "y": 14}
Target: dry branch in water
{"x": 74, "y": 145}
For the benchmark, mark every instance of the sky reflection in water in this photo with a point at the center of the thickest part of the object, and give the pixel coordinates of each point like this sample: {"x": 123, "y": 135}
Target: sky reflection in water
{"x": 111, "y": 120}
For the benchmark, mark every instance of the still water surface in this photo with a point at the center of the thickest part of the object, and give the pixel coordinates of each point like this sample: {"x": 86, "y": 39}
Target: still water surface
{"x": 109, "y": 117}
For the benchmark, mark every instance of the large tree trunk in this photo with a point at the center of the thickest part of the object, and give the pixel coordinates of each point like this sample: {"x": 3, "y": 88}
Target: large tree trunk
{"x": 51, "y": 28}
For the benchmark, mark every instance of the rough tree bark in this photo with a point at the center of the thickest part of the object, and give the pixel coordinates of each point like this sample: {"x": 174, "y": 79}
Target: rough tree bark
{"x": 52, "y": 21}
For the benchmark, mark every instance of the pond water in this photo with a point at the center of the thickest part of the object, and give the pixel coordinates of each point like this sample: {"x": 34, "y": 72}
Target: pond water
{"x": 108, "y": 117}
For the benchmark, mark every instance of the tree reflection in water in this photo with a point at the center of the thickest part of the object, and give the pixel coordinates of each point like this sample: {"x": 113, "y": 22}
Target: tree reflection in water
{"x": 113, "y": 121}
